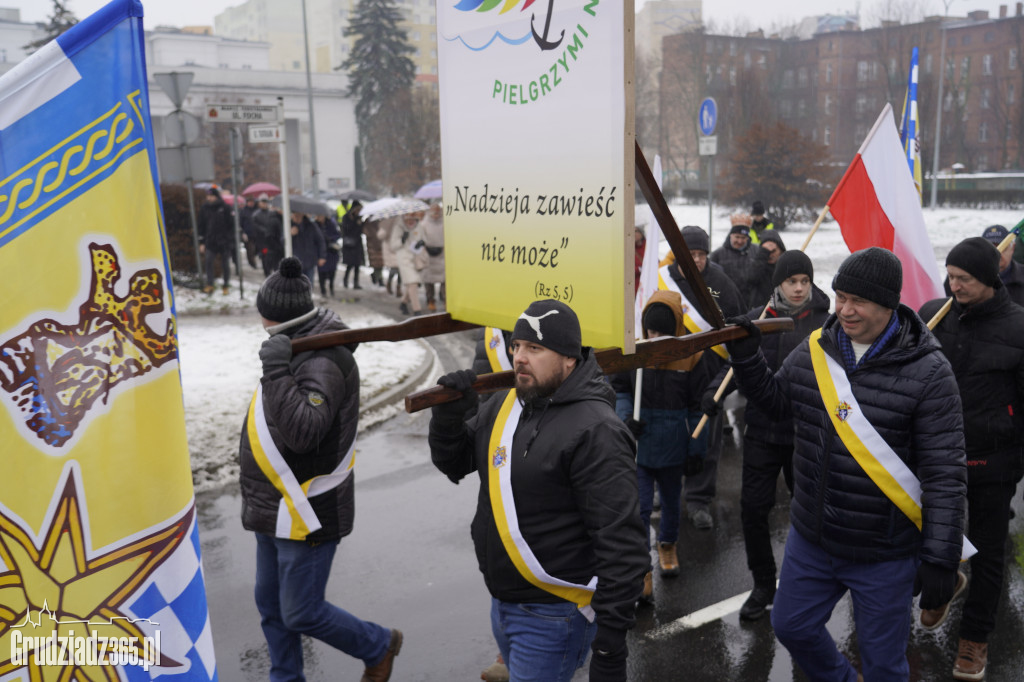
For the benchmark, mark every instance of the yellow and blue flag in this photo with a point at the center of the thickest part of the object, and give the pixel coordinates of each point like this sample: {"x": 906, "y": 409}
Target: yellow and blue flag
{"x": 908, "y": 126}
{"x": 100, "y": 570}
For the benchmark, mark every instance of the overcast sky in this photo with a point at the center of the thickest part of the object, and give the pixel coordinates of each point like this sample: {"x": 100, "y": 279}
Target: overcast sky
{"x": 725, "y": 14}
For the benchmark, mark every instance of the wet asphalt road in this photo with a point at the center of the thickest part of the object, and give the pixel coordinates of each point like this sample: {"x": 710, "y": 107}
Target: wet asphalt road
{"x": 410, "y": 564}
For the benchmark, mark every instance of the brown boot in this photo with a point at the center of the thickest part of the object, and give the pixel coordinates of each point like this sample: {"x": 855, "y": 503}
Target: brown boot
{"x": 208, "y": 289}
{"x": 382, "y": 671}
{"x": 971, "y": 660}
{"x": 647, "y": 596}
{"x": 667, "y": 559}
{"x": 933, "y": 618}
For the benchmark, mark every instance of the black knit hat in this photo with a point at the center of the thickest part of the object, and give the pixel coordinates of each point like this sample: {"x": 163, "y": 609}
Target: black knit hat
{"x": 659, "y": 318}
{"x": 757, "y": 209}
{"x": 792, "y": 263}
{"x": 740, "y": 229}
{"x": 286, "y": 294}
{"x": 696, "y": 239}
{"x": 979, "y": 258}
{"x": 551, "y": 324}
{"x": 873, "y": 273}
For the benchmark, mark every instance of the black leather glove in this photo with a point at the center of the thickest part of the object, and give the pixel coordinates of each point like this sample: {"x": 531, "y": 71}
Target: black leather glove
{"x": 636, "y": 426}
{"x": 708, "y": 404}
{"x": 420, "y": 244}
{"x": 608, "y": 662}
{"x": 935, "y": 584}
{"x": 693, "y": 465}
{"x": 462, "y": 381}
{"x": 746, "y": 347}
{"x": 276, "y": 353}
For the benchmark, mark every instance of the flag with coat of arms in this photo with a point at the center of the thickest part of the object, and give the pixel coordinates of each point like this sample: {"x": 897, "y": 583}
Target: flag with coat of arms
{"x": 98, "y": 532}
{"x": 908, "y": 126}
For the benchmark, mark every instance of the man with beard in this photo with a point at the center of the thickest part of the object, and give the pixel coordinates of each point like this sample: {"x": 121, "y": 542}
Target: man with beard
{"x": 557, "y": 529}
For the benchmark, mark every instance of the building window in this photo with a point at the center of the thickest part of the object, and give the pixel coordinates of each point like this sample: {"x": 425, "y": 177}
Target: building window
{"x": 949, "y": 69}
{"x": 416, "y": 35}
{"x": 863, "y": 69}
{"x": 762, "y": 61}
{"x": 948, "y": 103}
{"x": 983, "y": 132}
{"x": 983, "y": 162}
{"x": 828, "y": 73}
{"x": 1011, "y": 94}
{"x": 296, "y": 65}
{"x": 3, "y": 54}
{"x": 785, "y": 108}
{"x": 828, "y": 104}
{"x": 801, "y": 108}
{"x": 986, "y": 65}
{"x": 986, "y": 96}
{"x": 860, "y": 132}
{"x": 928, "y": 63}
{"x": 801, "y": 77}
{"x": 892, "y": 67}
{"x": 787, "y": 78}
{"x": 966, "y": 40}
{"x": 990, "y": 36}
{"x": 732, "y": 75}
{"x": 827, "y": 137}
{"x": 1013, "y": 58}
{"x": 732, "y": 48}
{"x": 862, "y": 102}
{"x": 965, "y": 67}
{"x": 746, "y": 60}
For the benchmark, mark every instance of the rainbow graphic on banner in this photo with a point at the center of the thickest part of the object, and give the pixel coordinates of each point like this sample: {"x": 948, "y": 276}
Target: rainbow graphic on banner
{"x": 97, "y": 513}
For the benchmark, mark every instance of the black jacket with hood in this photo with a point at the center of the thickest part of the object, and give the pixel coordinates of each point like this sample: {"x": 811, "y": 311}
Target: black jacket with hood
{"x": 574, "y": 481}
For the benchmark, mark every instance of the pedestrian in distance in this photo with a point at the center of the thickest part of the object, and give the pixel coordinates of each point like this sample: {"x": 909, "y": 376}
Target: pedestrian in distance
{"x": 431, "y": 229}
{"x": 768, "y": 442}
{"x": 669, "y": 412}
{"x": 389, "y": 253}
{"x": 736, "y": 255}
{"x": 332, "y": 240}
{"x": 296, "y": 457}
{"x": 374, "y": 251}
{"x": 557, "y": 529}
{"x": 352, "y": 254}
{"x": 983, "y": 338}
{"x": 216, "y": 238}
{"x": 699, "y": 490}
{"x": 762, "y": 268}
{"x": 1010, "y": 271}
{"x": 249, "y": 230}
{"x": 869, "y": 391}
{"x": 759, "y": 222}
{"x": 307, "y": 245}
{"x": 406, "y": 243}
{"x": 268, "y": 228}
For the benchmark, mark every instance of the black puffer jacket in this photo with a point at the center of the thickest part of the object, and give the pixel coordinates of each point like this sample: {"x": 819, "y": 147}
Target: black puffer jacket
{"x": 312, "y": 409}
{"x": 718, "y": 283}
{"x": 216, "y": 226}
{"x": 737, "y": 263}
{"x": 575, "y": 493}
{"x": 909, "y": 394}
{"x": 985, "y": 345}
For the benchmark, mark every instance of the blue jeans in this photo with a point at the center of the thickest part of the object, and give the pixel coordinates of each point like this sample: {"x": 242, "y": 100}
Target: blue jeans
{"x": 541, "y": 642}
{"x": 670, "y": 483}
{"x": 291, "y": 578}
{"x": 812, "y": 582}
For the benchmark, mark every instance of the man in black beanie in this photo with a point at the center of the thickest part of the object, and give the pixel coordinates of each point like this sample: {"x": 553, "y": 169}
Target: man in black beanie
{"x": 559, "y": 541}
{"x": 302, "y": 425}
{"x": 983, "y": 337}
{"x": 868, "y": 392}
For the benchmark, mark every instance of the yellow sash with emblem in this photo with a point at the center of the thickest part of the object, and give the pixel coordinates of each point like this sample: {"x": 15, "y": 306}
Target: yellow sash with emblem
{"x": 692, "y": 319}
{"x": 503, "y": 507}
{"x": 494, "y": 345}
{"x": 295, "y": 516}
{"x": 878, "y": 460}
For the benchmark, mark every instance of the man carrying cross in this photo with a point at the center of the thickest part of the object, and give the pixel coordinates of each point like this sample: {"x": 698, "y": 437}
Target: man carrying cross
{"x": 557, "y": 529}
{"x": 878, "y": 467}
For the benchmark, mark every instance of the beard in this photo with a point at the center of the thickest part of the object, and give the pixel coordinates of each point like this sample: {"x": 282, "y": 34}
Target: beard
{"x": 529, "y": 389}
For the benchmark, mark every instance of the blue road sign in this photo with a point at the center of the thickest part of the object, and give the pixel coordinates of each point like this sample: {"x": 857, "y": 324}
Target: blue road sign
{"x": 707, "y": 117}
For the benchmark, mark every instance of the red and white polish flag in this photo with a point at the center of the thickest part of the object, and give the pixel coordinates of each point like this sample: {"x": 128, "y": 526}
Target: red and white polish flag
{"x": 876, "y": 204}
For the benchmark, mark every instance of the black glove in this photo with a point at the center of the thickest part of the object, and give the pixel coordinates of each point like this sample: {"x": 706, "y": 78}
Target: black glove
{"x": 276, "y": 353}
{"x": 935, "y": 584}
{"x": 693, "y": 465}
{"x": 708, "y": 404}
{"x": 608, "y": 662}
{"x": 746, "y": 347}
{"x": 420, "y": 244}
{"x": 636, "y": 426}
{"x": 461, "y": 381}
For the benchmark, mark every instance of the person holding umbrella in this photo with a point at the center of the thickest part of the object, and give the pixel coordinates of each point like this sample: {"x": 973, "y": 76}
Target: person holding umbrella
{"x": 352, "y": 243}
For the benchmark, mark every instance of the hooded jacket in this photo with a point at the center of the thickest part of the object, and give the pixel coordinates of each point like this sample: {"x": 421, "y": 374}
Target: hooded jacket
{"x": 737, "y": 263}
{"x": 909, "y": 394}
{"x": 761, "y": 271}
{"x": 312, "y": 409}
{"x": 575, "y": 493}
{"x": 722, "y": 289}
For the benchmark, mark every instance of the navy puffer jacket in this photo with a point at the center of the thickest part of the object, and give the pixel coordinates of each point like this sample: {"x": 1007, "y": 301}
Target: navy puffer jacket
{"x": 908, "y": 392}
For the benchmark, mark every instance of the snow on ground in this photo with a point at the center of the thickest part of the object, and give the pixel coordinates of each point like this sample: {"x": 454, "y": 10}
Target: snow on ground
{"x": 220, "y": 369}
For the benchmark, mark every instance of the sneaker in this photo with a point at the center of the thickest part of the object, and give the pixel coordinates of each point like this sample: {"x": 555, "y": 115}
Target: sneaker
{"x": 971, "y": 659}
{"x": 495, "y": 672}
{"x": 933, "y": 618}
{"x": 382, "y": 671}
{"x": 701, "y": 519}
{"x": 758, "y": 603}
{"x": 667, "y": 559}
{"x": 647, "y": 596}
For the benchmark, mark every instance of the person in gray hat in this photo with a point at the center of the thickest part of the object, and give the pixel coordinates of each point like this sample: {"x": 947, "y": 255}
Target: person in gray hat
{"x": 872, "y": 392}
{"x": 557, "y": 466}
{"x": 301, "y": 426}
{"x": 1010, "y": 271}
{"x": 983, "y": 337}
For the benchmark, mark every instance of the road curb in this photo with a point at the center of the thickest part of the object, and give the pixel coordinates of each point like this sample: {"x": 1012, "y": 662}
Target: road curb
{"x": 398, "y": 392}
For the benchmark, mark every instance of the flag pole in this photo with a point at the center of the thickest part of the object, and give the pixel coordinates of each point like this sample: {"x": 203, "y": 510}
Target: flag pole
{"x": 764, "y": 311}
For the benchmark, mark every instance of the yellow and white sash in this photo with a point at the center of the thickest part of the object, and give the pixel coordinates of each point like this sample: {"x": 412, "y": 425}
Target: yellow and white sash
{"x": 503, "y": 507}
{"x": 497, "y": 355}
{"x": 692, "y": 319}
{"x": 879, "y": 461}
{"x": 295, "y": 516}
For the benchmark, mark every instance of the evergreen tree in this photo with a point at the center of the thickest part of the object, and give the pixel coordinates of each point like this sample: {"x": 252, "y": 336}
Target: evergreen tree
{"x": 61, "y": 20}
{"x": 379, "y": 66}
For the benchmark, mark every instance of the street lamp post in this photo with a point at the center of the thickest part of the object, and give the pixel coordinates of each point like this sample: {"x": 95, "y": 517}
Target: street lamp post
{"x": 309, "y": 96}
{"x": 938, "y": 108}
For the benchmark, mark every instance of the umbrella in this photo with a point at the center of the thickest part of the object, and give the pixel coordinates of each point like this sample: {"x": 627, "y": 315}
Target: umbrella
{"x": 300, "y": 204}
{"x": 360, "y": 195}
{"x": 390, "y": 207}
{"x": 261, "y": 188}
{"x": 431, "y": 190}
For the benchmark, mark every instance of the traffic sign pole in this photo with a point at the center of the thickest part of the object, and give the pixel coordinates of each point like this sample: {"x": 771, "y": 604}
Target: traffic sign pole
{"x": 286, "y": 217}
{"x": 707, "y": 118}
{"x": 236, "y": 153}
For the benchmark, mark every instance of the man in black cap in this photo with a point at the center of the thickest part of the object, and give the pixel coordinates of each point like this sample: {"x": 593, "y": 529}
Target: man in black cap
{"x": 1010, "y": 271}
{"x": 983, "y": 337}
{"x": 759, "y": 223}
{"x": 700, "y": 488}
{"x": 736, "y": 254}
{"x": 216, "y": 230}
{"x": 557, "y": 529}
{"x": 296, "y": 457}
{"x": 879, "y": 475}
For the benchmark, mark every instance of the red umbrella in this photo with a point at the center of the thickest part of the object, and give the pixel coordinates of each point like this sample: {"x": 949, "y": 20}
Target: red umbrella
{"x": 261, "y": 188}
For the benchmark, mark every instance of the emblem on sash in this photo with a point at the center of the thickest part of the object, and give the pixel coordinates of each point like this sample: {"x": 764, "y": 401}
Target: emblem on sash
{"x": 843, "y": 410}
{"x": 499, "y": 457}
{"x": 493, "y": 343}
